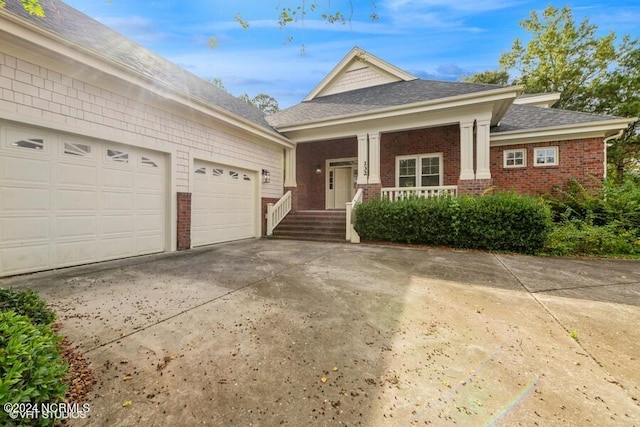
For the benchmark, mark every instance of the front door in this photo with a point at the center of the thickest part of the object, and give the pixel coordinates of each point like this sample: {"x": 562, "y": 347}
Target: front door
{"x": 340, "y": 182}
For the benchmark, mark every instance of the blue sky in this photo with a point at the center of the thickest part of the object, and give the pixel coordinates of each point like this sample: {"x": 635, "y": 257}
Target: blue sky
{"x": 432, "y": 39}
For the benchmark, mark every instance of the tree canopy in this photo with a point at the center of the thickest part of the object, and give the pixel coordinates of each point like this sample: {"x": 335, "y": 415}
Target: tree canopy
{"x": 560, "y": 56}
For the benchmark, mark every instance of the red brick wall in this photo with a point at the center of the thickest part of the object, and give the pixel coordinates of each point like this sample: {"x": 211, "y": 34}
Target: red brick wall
{"x": 582, "y": 159}
{"x": 311, "y": 186}
{"x": 184, "y": 221}
{"x": 445, "y": 139}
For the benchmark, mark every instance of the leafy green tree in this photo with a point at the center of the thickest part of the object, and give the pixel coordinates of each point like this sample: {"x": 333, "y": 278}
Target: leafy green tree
{"x": 497, "y": 77}
{"x": 32, "y": 6}
{"x": 618, "y": 94}
{"x": 264, "y": 102}
{"x": 560, "y": 56}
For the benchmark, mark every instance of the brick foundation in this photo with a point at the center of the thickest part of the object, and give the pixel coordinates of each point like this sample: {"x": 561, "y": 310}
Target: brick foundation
{"x": 184, "y": 221}
{"x": 473, "y": 187}
{"x": 370, "y": 191}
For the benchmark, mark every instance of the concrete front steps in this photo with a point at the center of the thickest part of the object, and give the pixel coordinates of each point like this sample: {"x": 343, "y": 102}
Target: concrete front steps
{"x": 325, "y": 226}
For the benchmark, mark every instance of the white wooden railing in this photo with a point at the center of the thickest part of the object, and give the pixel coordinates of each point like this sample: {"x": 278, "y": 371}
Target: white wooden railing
{"x": 351, "y": 234}
{"x": 399, "y": 193}
{"x": 277, "y": 212}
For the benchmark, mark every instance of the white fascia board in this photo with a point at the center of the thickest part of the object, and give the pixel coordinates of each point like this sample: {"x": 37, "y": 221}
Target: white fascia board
{"x": 373, "y": 60}
{"x": 557, "y": 133}
{"x": 465, "y": 100}
{"x": 33, "y": 34}
{"x": 543, "y": 99}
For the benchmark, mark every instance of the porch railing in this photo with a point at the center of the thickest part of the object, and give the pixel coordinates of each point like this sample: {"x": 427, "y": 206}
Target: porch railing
{"x": 351, "y": 234}
{"x": 399, "y": 193}
{"x": 277, "y": 212}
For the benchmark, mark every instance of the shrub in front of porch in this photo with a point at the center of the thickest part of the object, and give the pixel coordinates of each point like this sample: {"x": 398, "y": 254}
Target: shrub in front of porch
{"x": 503, "y": 221}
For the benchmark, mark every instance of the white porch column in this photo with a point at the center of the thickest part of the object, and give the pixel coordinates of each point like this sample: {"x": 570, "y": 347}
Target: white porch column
{"x": 374, "y": 158}
{"x": 483, "y": 170}
{"x": 290, "y": 168}
{"x": 363, "y": 158}
{"x": 466, "y": 150}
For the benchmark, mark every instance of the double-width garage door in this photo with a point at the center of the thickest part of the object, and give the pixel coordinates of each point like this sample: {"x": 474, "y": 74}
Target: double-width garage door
{"x": 224, "y": 204}
{"x": 68, "y": 200}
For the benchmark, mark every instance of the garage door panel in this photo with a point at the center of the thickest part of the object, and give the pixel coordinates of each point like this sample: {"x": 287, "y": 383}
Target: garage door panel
{"x": 25, "y": 257}
{"x": 76, "y": 200}
{"x": 114, "y": 247}
{"x": 117, "y": 179}
{"x": 15, "y": 199}
{"x": 76, "y": 252}
{"x": 148, "y": 244}
{"x": 78, "y": 175}
{"x": 149, "y": 182}
{"x": 146, "y": 223}
{"x": 117, "y": 224}
{"x": 24, "y": 229}
{"x": 25, "y": 171}
{"x": 116, "y": 201}
{"x": 149, "y": 202}
{"x": 74, "y": 227}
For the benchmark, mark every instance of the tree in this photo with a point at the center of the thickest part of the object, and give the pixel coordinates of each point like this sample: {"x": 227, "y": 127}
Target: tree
{"x": 32, "y": 6}
{"x": 264, "y": 102}
{"x": 617, "y": 94}
{"x": 498, "y": 77}
{"x": 560, "y": 56}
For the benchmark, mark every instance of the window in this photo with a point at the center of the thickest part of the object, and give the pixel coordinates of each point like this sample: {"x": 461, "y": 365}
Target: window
{"x": 545, "y": 156}
{"x": 74, "y": 149}
{"x": 246, "y": 177}
{"x": 515, "y": 158}
{"x": 148, "y": 162}
{"x": 31, "y": 143}
{"x": 118, "y": 156}
{"x": 233, "y": 174}
{"x": 217, "y": 172}
{"x": 201, "y": 171}
{"x": 423, "y": 170}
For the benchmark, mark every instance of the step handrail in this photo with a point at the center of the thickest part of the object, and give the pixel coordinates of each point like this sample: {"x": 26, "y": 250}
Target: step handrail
{"x": 351, "y": 234}
{"x": 276, "y": 212}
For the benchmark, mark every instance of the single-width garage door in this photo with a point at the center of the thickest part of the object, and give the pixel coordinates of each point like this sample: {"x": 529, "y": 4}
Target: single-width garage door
{"x": 224, "y": 204}
{"x": 69, "y": 200}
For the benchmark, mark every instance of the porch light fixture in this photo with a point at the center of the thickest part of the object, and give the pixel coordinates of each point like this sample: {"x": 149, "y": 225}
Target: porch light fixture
{"x": 266, "y": 176}
{"x": 318, "y": 170}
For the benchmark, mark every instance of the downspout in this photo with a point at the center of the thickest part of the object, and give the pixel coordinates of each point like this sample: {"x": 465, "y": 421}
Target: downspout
{"x": 606, "y": 145}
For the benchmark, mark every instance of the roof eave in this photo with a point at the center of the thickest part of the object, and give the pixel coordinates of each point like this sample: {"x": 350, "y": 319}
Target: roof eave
{"x": 507, "y": 93}
{"x": 600, "y": 128}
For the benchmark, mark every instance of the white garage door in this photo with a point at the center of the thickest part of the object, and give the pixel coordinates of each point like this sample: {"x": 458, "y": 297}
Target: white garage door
{"x": 224, "y": 204}
{"x": 68, "y": 201}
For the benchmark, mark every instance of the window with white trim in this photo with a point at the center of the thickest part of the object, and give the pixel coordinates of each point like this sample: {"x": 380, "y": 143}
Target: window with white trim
{"x": 515, "y": 158}
{"x": 422, "y": 170}
{"x": 545, "y": 156}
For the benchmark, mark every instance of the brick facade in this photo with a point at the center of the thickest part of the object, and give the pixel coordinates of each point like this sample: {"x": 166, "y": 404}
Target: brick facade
{"x": 184, "y": 221}
{"x": 582, "y": 159}
{"x": 445, "y": 139}
{"x": 311, "y": 186}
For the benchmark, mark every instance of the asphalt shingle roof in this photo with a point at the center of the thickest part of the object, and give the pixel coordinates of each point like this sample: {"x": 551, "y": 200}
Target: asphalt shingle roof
{"x": 74, "y": 26}
{"x": 374, "y": 98}
{"x": 525, "y": 117}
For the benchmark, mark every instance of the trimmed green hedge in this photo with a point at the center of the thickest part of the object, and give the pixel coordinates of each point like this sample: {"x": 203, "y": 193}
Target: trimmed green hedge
{"x": 503, "y": 222}
{"x": 32, "y": 369}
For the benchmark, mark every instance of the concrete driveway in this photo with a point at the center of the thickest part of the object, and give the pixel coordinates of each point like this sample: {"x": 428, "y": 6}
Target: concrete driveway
{"x": 275, "y": 332}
